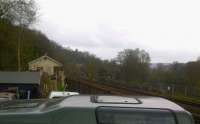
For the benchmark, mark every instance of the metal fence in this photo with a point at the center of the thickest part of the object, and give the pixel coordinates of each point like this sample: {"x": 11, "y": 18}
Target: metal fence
{"x": 171, "y": 89}
{"x": 165, "y": 89}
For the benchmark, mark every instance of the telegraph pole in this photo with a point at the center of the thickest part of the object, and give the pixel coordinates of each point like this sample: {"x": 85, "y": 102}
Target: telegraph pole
{"x": 19, "y": 49}
{"x": 19, "y": 38}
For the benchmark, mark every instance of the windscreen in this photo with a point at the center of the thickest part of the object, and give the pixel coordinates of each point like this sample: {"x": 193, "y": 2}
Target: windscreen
{"x": 107, "y": 115}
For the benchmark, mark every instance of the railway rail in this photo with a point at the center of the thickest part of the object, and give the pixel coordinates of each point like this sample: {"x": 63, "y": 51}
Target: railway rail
{"x": 122, "y": 89}
{"x": 196, "y": 118}
{"x": 194, "y": 108}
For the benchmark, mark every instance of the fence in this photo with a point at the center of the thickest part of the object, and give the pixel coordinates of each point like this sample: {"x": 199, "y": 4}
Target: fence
{"x": 168, "y": 90}
{"x": 171, "y": 89}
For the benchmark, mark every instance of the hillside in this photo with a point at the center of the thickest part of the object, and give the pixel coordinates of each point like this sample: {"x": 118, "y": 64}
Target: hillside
{"x": 35, "y": 44}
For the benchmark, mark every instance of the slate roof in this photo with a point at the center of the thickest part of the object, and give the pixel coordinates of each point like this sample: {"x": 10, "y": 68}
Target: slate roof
{"x": 19, "y": 77}
{"x": 47, "y": 57}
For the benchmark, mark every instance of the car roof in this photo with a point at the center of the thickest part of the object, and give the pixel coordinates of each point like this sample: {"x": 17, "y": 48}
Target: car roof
{"x": 124, "y": 101}
{"x": 87, "y": 102}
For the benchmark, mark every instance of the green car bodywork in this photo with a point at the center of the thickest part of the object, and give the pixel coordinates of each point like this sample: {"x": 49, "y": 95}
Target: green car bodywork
{"x": 94, "y": 110}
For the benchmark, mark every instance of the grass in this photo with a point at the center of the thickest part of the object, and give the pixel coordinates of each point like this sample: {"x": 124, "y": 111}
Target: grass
{"x": 182, "y": 97}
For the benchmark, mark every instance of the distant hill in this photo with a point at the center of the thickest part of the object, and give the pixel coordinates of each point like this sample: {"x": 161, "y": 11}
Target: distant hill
{"x": 35, "y": 44}
{"x": 155, "y": 65}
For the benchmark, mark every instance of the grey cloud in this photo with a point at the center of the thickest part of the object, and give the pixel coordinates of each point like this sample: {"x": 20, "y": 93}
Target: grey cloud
{"x": 106, "y": 41}
{"x": 172, "y": 56}
{"x": 113, "y": 38}
{"x": 102, "y": 37}
{"x": 80, "y": 40}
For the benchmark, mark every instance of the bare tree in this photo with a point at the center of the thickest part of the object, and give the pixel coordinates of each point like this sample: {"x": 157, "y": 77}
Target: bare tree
{"x": 21, "y": 13}
{"x": 5, "y": 6}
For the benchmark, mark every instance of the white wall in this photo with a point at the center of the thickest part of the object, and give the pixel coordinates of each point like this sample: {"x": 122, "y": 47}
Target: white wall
{"x": 46, "y": 64}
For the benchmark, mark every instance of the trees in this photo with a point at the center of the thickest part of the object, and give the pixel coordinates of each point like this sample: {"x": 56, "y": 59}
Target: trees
{"x": 168, "y": 73}
{"x": 192, "y": 71}
{"x": 5, "y": 7}
{"x": 134, "y": 65}
{"x": 91, "y": 68}
{"x": 21, "y": 13}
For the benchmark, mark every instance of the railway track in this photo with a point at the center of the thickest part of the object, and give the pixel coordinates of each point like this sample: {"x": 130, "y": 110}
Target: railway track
{"x": 196, "y": 118}
{"x": 122, "y": 89}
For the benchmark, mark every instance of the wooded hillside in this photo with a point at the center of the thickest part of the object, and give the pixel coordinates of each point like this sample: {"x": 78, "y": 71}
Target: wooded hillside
{"x": 34, "y": 44}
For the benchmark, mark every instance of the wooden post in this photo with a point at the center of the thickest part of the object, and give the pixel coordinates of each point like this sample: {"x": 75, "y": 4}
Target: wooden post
{"x": 185, "y": 90}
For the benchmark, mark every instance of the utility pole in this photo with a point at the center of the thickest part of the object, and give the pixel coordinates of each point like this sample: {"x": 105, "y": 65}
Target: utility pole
{"x": 19, "y": 49}
{"x": 19, "y": 38}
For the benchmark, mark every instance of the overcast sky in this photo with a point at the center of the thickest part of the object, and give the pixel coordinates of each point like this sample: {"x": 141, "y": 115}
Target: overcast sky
{"x": 169, "y": 30}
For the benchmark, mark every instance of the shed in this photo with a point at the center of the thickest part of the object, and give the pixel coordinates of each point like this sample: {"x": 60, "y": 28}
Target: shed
{"x": 26, "y": 83}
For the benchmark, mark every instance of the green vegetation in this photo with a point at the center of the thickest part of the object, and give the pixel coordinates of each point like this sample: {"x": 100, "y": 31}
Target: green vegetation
{"x": 134, "y": 65}
{"x": 20, "y": 45}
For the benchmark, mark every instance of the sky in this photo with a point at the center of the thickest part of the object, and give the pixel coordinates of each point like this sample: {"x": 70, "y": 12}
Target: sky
{"x": 169, "y": 30}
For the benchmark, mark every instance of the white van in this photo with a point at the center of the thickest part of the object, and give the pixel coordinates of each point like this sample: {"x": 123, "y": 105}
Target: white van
{"x": 59, "y": 94}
